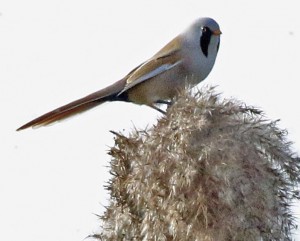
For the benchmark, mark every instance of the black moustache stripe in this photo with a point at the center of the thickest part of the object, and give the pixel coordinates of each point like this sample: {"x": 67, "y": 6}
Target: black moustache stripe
{"x": 205, "y": 40}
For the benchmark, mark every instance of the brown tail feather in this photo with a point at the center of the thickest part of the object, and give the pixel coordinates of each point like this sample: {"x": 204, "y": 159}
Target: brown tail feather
{"x": 78, "y": 106}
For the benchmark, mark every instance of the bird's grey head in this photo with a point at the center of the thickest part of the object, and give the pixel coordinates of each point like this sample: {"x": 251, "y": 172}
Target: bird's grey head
{"x": 202, "y": 40}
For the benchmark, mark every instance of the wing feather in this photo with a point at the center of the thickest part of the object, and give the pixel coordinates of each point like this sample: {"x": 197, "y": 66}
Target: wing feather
{"x": 167, "y": 58}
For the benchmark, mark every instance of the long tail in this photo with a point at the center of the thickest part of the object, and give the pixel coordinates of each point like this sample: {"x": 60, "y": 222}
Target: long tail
{"x": 109, "y": 93}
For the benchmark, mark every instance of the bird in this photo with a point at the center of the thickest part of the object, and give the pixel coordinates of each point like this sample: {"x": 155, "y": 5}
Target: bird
{"x": 184, "y": 61}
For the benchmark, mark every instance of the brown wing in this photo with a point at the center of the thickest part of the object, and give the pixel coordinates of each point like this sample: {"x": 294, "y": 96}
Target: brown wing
{"x": 167, "y": 58}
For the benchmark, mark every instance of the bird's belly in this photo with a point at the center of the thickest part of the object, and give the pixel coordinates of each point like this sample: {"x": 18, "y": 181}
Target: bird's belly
{"x": 162, "y": 87}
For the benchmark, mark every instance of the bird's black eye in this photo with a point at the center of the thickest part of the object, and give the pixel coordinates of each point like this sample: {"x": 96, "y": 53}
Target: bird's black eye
{"x": 205, "y": 39}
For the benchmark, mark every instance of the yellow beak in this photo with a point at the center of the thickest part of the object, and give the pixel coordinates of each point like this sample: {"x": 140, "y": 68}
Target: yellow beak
{"x": 217, "y": 32}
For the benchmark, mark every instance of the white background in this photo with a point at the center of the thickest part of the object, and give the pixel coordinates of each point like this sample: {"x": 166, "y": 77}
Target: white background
{"x": 52, "y": 52}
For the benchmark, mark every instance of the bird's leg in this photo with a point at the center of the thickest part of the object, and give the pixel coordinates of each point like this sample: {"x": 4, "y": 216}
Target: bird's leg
{"x": 156, "y": 108}
{"x": 164, "y": 102}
